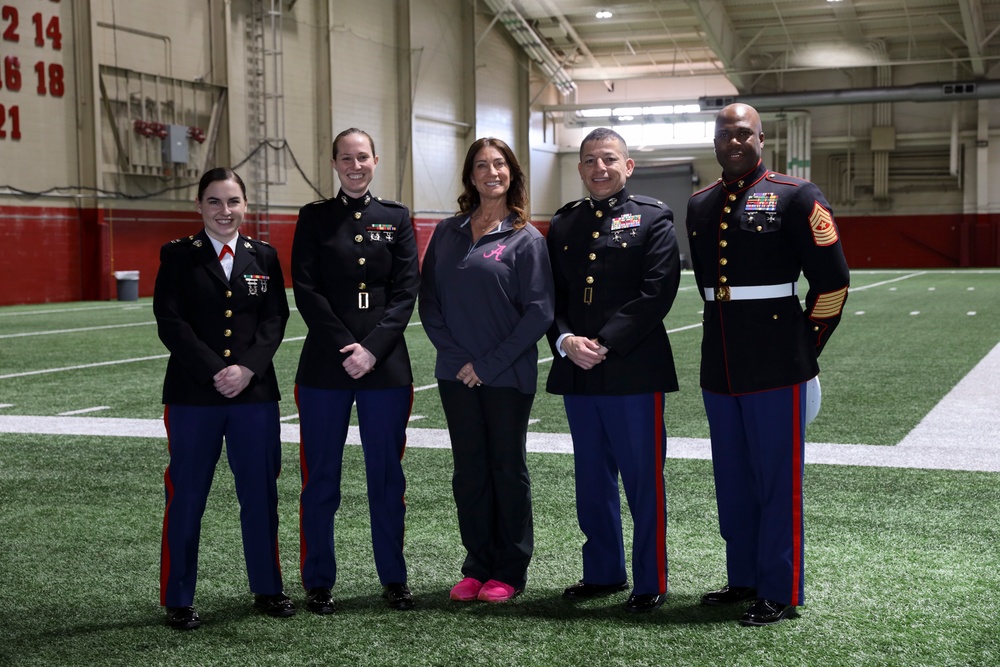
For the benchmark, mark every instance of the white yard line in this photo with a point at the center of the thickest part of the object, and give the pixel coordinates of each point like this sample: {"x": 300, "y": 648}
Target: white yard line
{"x": 942, "y": 455}
{"x": 81, "y": 366}
{"x": 63, "y": 331}
{"x": 886, "y": 282}
{"x": 83, "y": 411}
{"x": 49, "y": 311}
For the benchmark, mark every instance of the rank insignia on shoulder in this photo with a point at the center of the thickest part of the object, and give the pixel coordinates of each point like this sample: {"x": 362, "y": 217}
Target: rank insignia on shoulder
{"x": 823, "y": 229}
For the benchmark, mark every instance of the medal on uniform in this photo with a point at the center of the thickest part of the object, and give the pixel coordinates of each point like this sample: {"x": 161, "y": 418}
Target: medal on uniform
{"x": 762, "y": 201}
{"x": 255, "y": 281}
{"x": 376, "y": 231}
{"x": 626, "y": 221}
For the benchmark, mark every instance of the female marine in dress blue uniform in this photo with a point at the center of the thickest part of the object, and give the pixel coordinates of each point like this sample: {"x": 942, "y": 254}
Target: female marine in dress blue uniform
{"x": 221, "y": 310}
{"x": 354, "y": 269}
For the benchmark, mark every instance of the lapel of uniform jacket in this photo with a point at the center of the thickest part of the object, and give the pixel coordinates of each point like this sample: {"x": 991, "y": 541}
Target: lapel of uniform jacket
{"x": 207, "y": 257}
{"x": 245, "y": 255}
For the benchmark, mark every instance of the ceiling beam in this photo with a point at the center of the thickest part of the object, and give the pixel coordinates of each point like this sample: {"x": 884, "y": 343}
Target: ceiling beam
{"x": 972, "y": 22}
{"x": 722, "y": 38}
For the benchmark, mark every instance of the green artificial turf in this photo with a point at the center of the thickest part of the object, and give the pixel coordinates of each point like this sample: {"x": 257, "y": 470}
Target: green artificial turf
{"x": 902, "y": 569}
{"x": 901, "y": 565}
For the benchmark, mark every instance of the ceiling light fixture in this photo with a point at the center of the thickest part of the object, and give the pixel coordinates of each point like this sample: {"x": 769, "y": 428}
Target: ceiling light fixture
{"x": 604, "y": 14}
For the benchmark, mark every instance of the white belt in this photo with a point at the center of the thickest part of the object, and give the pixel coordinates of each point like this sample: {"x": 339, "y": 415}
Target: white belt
{"x": 749, "y": 292}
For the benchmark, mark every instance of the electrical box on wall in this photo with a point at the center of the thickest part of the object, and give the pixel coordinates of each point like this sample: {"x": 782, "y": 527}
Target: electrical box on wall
{"x": 175, "y": 144}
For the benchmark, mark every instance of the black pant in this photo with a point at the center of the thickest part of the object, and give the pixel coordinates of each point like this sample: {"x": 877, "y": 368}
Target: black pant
{"x": 488, "y": 428}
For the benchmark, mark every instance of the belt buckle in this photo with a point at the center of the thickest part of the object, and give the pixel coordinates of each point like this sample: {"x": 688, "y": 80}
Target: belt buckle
{"x": 363, "y": 300}
{"x": 722, "y": 293}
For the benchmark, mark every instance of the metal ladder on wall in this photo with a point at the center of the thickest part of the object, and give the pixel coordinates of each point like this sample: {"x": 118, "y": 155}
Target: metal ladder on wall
{"x": 265, "y": 107}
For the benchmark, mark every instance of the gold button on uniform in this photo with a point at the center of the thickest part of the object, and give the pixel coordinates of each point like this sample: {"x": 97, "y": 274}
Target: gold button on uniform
{"x": 624, "y": 245}
{"x": 362, "y": 286}
{"x": 723, "y": 261}
{"x": 815, "y": 328}
{"x": 694, "y": 233}
{"x": 595, "y": 235}
{"x": 724, "y": 226}
{"x": 229, "y": 313}
{"x": 227, "y": 333}
{"x": 727, "y": 210}
{"x": 361, "y": 261}
{"x": 592, "y": 256}
{"x": 723, "y": 243}
{"x": 732, "y": 197}
{"x": 759, "y": 228}
{"x": 774, "y": 317}
{"x": 357, "y": 215}
{"x": 229, "y": 294}
{"x": 227, "y": 353}
{"x": 723, "y": 280}
{"x": 359, "y": 238}
{"x": 599, "y": 214}
{"x": 590, "y": 280}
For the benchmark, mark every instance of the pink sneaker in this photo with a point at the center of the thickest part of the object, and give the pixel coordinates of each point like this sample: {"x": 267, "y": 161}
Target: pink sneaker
{"x": 466, "y": 590}
{"x": 497, "y": 591}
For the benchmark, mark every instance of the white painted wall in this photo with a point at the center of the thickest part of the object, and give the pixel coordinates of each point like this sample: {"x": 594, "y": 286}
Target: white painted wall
{"x": 342, "y": 63}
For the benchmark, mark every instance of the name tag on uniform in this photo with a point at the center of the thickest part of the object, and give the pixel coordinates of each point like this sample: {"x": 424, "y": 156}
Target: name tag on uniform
{"x": 254, "y": 281}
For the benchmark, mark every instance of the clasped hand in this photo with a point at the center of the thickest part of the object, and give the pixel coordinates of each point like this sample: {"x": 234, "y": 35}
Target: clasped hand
{"x": 584, "y": 352}
{"x": 468, "y": 376}
{"x": 231, "y": 380}
{"x": 360, "y": 362}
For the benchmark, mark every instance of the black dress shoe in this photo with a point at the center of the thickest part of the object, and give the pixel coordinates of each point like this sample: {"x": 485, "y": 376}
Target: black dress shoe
{"x": 183, "y": 618}
{"x": 582, "y": 590}
{"x": 644, "y": 602}
{"x": 398, "y": 596}
{"x": 320, "y": 601}
{"x": 728, "y": 595}
{"x": 277, "y": 605}
{"x": 766, "y": 612}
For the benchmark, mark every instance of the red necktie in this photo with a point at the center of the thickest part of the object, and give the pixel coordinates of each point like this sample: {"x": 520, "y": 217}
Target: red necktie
{"x": 226, "y": 250}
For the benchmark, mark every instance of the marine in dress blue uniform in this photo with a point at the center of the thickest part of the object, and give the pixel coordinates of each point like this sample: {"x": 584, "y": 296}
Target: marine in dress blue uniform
{"x": 355, "y": 276}
{"x": 752, "y": 233}
{"x": 616, "y": 268}
{"x": 210, "y": 322}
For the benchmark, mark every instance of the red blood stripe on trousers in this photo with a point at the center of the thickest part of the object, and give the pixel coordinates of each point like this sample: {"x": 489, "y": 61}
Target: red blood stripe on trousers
{"x": 164, "y": 548}
{"x": 305, "y": 478}
{"x": 661, "y": 519}
{"x": 797, "y": 448}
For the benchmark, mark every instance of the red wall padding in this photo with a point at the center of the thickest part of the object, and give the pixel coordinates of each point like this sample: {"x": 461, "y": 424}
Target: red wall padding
{"x": 53, "y": 254}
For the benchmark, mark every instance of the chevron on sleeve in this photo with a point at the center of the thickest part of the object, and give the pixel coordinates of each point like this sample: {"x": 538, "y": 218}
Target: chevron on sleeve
{"x": 823, "y": 229}
{"x": 829, "y": 304}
